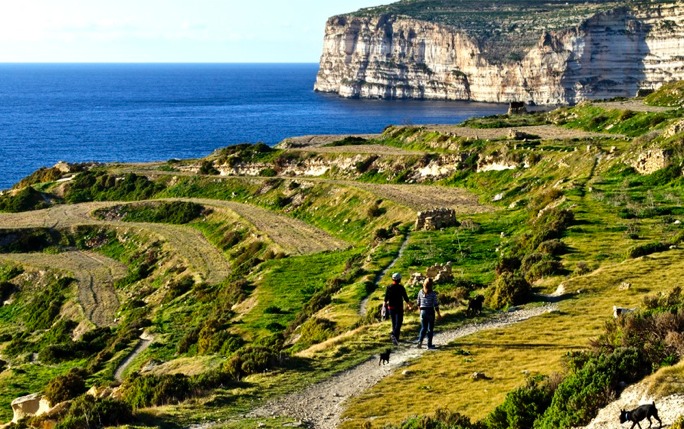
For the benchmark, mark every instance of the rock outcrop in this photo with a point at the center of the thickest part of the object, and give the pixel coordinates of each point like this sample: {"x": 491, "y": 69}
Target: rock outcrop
{"x": 610, "y": 53}
{"x": 30, "y": 405}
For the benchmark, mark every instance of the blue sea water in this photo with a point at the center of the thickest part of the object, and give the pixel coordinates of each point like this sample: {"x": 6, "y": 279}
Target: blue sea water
{"x": 149, "y": 112}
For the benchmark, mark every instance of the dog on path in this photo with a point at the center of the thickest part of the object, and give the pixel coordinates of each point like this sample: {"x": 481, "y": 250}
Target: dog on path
{"x": 638, "y": 414}
{"x": 384, "y": 357}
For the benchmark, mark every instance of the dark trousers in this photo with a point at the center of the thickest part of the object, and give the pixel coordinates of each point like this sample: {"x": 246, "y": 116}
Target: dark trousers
{"x": 397, "y": 317}
{"x": 427, "y": 324}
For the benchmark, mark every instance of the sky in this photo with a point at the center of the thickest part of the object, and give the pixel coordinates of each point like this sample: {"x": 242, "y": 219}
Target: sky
{"x": 234, "y": 31}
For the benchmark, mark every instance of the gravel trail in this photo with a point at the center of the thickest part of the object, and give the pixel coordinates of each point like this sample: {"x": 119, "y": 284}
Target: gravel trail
{"x": 321, "y": 405}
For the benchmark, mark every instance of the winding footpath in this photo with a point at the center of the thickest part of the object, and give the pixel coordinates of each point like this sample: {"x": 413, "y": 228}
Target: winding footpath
{"x": 321, "y": 405}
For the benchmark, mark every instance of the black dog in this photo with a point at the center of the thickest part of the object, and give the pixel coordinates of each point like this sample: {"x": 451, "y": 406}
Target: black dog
{"x": 638, "y": 414}
{"x": 475, "y": 305}
{"x": 384, "y": 357}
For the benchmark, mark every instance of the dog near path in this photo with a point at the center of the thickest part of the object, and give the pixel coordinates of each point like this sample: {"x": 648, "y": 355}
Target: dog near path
{"x": 384, "y": 357}
{"x": 638, "y": 414}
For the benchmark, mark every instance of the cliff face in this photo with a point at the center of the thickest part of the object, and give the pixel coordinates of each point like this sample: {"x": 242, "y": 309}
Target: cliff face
{"x": 607, "y": 54}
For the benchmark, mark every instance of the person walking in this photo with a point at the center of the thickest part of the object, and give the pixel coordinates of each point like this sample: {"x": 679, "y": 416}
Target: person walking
{"x": 428, "y": 304}
{"x": 395, "y": 295}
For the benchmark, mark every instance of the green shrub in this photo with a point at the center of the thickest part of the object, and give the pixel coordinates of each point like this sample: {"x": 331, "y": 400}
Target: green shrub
{"x": 88, "y": 412}
{"x": 522, "y": 406}
{"x": 43, "y": 174}
{"x": 100, "y": 186}
{"x": 155, "y": 390}
{"x": 174, "y": 212}
{"x": 24, "y": 200}
{"x": 44, "y": 308}
{"x": 65, "y": 387}
{"x": 646, "y": 249}
{"x": 443, "y": 419}
{"x": 207, "y": 167}
{"x": 268, "y": 172}
{"x": 508, "y": 289}
{"x": 552, "y": 247}
{"x": 590, "y": 387}
{"x": 315, "y": 330}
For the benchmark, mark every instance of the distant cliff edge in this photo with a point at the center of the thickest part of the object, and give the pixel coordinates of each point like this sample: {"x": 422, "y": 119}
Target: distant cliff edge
{"x": 544, "y": 53}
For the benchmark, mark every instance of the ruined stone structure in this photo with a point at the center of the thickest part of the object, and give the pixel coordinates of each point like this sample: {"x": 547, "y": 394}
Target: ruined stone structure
{"x": 436, "y": 219}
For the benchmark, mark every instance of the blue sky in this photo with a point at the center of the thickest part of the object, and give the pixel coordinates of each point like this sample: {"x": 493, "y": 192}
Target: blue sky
{"x": 167, "y": 30}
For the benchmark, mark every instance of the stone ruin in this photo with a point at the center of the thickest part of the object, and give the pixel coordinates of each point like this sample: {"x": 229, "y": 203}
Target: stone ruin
{"x": 516, "y": 108}
{"x": 439, "y": 273}
{"x": 436, "y": 219}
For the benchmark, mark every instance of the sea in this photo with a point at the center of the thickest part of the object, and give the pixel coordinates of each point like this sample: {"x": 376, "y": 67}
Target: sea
{"x": 156, "y": 112}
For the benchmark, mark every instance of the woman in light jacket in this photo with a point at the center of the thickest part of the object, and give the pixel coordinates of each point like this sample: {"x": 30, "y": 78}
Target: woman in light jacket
{"x": 428, "y": 305}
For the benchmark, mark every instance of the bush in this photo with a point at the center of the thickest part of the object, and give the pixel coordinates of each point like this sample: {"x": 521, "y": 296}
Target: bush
{"x": 591, "y": 387}
{"x": 646, "y": 249}
{"x": 523, "y": 405}
{"x": 443, "y": 419}
{"x": 207, "y": 167}
{"x": 24, "y": 200}
{"x": 154, "y": 390}
{"x": 508, "y": 289}
{"x": 88, "y": 412}
{"x": 65, "y": 387}
{"x": 100, "y": 186}
{"x": 552, "y": 247}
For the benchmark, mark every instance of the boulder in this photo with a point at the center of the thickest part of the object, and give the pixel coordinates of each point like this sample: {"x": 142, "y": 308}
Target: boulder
{"x": 30, "y": 405}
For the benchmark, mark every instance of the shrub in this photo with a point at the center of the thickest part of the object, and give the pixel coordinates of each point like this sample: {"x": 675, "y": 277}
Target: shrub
{"x": 100, "y": 186}
{"x": 268, "y": 172}
{"x": 45, "y": 306}
{"x": 552, "y": 247}
{"x": 507, "y": 265}
{"x": 508, "y": 289}
{"x": 24, "y": 200}
{"x": 65, "y": 387}
{"x": 523, "y": 405}
{"x": 6, "y": 290}
{"x": 316, "y": 330}
{"x": 646, "y": 249}
{"x": 88, "y": 412}
{"x": 592, "y": 385}
{"x": 207, "y": 167}
{"x": 149, "y": 390}
{"x": 443, "y": 419}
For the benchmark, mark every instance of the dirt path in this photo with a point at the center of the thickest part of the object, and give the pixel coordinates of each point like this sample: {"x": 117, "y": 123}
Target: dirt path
{"x": 322, "y": 404}
{"x": 94, "y": 273}
{"x": 364, "y": 303}
{"x": 546, "y": 132}
{"x": 143, "y": 343}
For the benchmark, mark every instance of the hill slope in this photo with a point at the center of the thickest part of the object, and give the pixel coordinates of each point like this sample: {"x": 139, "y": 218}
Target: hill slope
{"x": 249, "y": 269}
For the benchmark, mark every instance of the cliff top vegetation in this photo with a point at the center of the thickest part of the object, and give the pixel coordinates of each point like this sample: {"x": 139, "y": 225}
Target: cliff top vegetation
{"x": 517, "y": 25}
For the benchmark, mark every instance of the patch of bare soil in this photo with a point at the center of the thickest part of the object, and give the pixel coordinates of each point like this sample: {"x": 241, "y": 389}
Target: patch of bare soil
{"x": 425, "y": 197}
{"x": 94, "y": 273}
{"x": 321, "y": 405}
{"x": 360, "y": 149}
{"x": 634, "y": 105}
{"x": 293, "y": 235}
{"x": 546, "y": 132}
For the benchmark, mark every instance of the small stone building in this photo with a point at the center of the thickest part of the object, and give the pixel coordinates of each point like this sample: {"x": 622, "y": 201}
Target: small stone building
{"x": 436, "y": 219}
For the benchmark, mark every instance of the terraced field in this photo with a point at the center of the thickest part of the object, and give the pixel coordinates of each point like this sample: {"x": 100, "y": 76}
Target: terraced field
{"x": 94, "y": 273}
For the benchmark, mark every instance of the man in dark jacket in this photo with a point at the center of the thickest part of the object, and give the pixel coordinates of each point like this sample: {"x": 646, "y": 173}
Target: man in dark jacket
{"x": 395, "y": 294}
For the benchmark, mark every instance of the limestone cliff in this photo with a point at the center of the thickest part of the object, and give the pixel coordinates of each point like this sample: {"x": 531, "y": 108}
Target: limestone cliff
{"x": 598, "y": 53}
